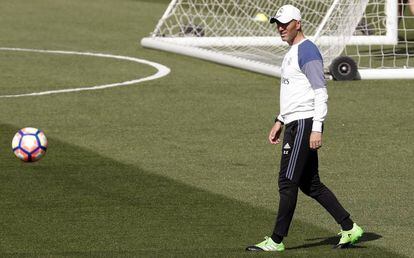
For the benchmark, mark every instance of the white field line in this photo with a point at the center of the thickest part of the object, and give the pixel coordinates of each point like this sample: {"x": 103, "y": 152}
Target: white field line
{"x": 162, "y": 71}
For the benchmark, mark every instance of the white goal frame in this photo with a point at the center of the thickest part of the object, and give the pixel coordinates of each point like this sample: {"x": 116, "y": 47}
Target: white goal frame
{"x": 192, "y": 46}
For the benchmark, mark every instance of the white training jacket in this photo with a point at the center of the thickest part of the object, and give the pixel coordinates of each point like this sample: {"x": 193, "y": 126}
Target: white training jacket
{"x": 303, "y": 91}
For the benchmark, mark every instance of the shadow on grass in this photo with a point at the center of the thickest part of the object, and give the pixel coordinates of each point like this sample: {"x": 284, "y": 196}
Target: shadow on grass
{"x": 76, "y": 202}
{"x": 332, "y": 241}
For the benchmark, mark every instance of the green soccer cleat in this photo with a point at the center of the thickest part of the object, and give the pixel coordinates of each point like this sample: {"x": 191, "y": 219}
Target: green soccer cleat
{"x": 268, "y": 245}
{"x": 350, "y": 237}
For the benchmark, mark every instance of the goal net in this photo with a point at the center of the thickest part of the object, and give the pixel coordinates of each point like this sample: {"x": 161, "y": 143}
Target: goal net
{"x": 236, "y": 32}
{"x": 387, "y": 48}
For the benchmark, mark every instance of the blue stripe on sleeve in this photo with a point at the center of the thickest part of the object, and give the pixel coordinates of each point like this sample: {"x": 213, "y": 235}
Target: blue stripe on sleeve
{"x": 308, "y": 52}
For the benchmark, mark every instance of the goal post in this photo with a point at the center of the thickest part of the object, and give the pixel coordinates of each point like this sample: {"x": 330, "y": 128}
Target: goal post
{"x": 230, "y": 32}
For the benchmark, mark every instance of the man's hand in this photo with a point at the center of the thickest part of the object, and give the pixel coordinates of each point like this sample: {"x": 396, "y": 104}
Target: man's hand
{"x": 274, "y": 135}
{"x": 315, "y": 141}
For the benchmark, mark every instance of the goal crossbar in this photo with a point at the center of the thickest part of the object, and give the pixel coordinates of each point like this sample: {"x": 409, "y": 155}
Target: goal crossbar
{"x": 226, "y": 32}
{"x": 268, "y": 41}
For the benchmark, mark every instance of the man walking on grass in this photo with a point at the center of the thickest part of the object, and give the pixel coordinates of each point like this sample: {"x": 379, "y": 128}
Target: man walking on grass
{"x": 303, "y": 107}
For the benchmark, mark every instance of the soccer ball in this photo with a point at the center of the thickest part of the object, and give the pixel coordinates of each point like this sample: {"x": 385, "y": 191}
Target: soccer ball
{"x": 29, "y": 144}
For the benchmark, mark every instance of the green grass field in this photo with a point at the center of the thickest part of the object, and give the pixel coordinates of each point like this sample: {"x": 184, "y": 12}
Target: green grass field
{"x": 179, "y": 166}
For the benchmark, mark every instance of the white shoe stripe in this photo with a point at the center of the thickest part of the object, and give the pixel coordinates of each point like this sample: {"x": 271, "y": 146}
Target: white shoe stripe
{"x": 268, "y": 248}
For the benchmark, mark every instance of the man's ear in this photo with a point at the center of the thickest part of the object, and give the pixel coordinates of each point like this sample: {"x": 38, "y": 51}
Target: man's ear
{"x": 298, "y": 25}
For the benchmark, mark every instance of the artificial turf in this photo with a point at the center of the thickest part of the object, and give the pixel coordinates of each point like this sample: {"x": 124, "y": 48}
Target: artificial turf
{"x": 180, "y": 166}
